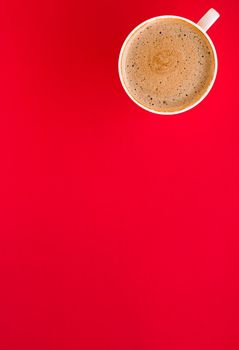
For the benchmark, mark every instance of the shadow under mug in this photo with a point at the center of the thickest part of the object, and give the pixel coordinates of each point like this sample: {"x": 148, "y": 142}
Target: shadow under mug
{"x": 203, "y": 25}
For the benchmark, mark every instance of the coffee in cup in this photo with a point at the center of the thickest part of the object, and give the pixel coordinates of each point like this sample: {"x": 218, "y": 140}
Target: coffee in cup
{"x": 167, "y": 64}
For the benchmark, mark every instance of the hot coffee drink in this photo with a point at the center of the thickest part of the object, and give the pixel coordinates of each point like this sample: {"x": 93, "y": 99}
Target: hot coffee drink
{"x": 167, "y": 65}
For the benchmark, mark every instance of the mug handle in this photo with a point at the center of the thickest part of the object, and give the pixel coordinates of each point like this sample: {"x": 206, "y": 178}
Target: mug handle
{"x": 208, "y": 19}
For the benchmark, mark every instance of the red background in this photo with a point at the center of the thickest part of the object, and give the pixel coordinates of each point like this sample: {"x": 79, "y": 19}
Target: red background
{"x": 119, "y": 228}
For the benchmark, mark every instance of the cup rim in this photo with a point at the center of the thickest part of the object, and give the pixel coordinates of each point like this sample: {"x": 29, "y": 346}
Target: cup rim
{"x": 209, "y": 86}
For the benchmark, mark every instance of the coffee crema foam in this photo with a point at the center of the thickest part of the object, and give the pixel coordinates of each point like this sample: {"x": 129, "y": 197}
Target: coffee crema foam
{"x": 167, "y": 65}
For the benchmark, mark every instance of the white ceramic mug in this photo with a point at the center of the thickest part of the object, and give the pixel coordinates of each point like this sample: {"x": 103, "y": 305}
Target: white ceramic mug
{"x": 203, "y": 25}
